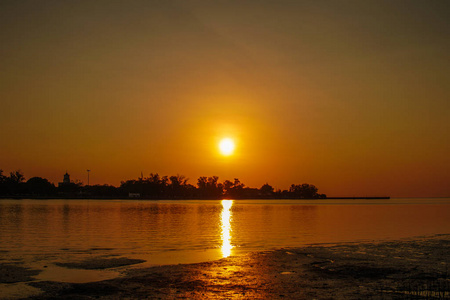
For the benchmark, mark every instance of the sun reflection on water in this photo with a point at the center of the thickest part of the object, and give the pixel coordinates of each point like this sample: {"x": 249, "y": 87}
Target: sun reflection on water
{"x": 226, "y": 227}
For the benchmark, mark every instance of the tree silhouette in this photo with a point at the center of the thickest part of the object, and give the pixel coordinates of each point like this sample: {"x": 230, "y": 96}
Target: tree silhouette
{"x": 152, "y": 187}
{"x": 40, "y": 187}
{"x": 16, "y": 177}
{"x": 209, "y": 188}
{"x": 177, "y": 186}
{"x": 304, "y": 191}
{"x": 234, "y": 190}
{"x": 266, "y": 191}
{"x": 12, "y": 184}
{"x": 2, "y": 183}
{"x": 101, "y": 191}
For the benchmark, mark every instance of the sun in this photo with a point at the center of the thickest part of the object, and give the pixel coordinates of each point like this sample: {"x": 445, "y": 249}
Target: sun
{"x": 226, "y": 146}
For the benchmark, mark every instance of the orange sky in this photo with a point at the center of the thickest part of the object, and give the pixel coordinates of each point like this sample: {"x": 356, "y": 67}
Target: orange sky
{"x": 352, "y": 96}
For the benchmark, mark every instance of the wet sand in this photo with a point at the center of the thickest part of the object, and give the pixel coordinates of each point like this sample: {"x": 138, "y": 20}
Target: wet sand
{"x": 407, "y": 269}
{"x": 100, "y": 263}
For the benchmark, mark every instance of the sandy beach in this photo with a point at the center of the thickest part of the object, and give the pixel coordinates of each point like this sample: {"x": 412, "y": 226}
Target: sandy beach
{"x": 414, "y": 268}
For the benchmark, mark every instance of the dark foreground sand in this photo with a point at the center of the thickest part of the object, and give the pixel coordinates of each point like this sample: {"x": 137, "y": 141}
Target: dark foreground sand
{"x": 410, "y": 269}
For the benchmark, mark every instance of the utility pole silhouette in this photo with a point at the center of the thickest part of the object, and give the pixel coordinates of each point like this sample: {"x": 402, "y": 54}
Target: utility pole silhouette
{"x": 88, "y": 176}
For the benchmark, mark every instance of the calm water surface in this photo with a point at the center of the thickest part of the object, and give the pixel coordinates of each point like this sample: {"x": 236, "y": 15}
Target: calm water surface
{"x": 42, "y": 232}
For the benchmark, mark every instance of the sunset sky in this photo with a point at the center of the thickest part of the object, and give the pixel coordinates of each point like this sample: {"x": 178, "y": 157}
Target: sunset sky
{"x": 351, "y": 96}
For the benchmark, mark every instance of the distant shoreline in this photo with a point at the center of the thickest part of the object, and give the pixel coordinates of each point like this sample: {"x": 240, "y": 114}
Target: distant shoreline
{"x": 354, "y": 198}
{"x": 24, "y": 197}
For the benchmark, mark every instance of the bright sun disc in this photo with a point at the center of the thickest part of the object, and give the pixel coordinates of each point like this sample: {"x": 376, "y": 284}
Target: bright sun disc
{"x": 226, "y": 146}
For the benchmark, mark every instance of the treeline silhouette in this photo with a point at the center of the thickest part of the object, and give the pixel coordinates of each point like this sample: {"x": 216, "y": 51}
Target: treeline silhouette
{"x": 152, "y": 187}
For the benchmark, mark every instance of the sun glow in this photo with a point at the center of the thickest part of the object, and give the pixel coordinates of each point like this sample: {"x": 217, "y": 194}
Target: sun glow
{"x": 226, "y": 146}
{"x": 226, "y": 228}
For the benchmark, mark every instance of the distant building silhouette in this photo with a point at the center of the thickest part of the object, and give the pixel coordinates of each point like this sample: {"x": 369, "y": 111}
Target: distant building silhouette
{"x": 66, "y": 180}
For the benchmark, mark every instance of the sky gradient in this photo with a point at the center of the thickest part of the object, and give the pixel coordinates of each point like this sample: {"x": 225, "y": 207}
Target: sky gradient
{"x": 351, "y": 96}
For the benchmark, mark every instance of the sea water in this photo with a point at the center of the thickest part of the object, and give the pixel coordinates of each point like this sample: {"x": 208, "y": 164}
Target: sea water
{"x": 42, "y": 233}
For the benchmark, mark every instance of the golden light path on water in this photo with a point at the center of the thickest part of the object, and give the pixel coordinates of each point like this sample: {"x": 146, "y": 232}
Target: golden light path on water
{"x": 226, "y": 227}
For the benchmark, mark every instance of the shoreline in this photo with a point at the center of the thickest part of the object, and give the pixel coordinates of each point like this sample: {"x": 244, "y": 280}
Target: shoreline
{"x": 376, "y": 270}
{"x": 27, "y": 197}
